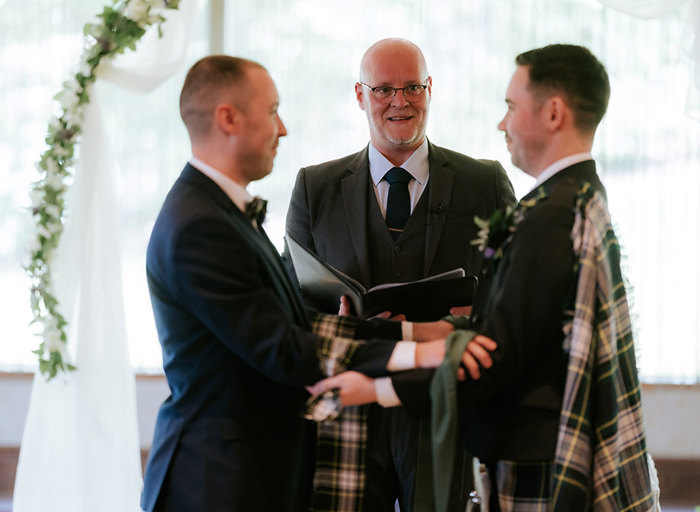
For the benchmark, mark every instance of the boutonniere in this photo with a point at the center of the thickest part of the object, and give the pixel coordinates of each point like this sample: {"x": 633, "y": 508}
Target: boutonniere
{"x": 496, "y": 232}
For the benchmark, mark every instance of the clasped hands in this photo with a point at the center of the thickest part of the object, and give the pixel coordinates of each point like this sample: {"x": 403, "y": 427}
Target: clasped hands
{"x": 356, "y": 388}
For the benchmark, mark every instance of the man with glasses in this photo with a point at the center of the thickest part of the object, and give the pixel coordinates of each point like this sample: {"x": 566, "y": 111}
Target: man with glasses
{"x": 399, "y": 210}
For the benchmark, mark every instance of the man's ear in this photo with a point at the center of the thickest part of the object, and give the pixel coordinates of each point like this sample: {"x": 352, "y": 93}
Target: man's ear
{"x": 227, "y": 118}
{"x": 359, "y": 94}
{"x": 556, "y": 112}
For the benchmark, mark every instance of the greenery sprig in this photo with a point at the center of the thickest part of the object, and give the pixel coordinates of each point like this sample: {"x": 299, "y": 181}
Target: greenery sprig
{"x": 120, "y": 27}
{"x": 496, "y": 232}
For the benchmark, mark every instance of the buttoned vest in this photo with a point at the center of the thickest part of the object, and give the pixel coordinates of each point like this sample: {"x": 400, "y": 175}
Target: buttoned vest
{"x": 401, "y": 260}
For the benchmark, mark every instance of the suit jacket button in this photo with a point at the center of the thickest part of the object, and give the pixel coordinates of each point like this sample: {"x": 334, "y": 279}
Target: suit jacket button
{"x": 397, "y": 249}
{"x": 397, "y": 273}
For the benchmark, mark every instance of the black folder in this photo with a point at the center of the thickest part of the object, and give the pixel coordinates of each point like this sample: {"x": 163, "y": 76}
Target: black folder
{"x": 423, "y": 300}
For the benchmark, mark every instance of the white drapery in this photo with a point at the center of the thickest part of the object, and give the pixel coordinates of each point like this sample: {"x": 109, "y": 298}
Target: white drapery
{"x": 653, "y": 9}
{"x": 80, "y": 448}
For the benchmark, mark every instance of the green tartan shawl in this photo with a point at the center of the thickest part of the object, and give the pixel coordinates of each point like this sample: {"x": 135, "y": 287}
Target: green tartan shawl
{"x": 601, "y": 461}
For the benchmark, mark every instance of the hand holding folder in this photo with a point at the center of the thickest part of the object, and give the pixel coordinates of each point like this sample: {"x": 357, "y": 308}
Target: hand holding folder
{"x": 423, "y": 300}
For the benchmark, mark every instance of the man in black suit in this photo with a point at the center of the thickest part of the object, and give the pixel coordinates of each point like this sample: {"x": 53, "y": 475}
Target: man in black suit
{"x": 557, "y": 418}
{"x": 236, "y": 337}
{"x": 339, "y": 210}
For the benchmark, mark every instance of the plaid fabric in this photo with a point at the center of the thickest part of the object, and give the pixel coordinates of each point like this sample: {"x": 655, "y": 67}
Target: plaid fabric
{"x": 601, "y": 462}
{"x": 339, "y": 479}
{"x": 522, "y": 486}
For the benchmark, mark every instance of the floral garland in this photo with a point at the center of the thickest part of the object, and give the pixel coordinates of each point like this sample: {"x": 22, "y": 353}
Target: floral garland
{"x": 122, "y": 26}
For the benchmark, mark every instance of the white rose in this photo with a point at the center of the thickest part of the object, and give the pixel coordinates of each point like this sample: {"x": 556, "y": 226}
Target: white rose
{"x": 54, "y": 227}
{"x": 52, "y": 211}
{"x": 43, "y": 231}
{"x": 73, "y": 86}
{"x": 74, "y": 116}
{"x": 136, "y": 11}
{"x": 54, "y": 181}
{"x": 60, "y": 151}
{"x": 84, "y": 68}
{"x": 52, "y": 341}
{"x": 51, "y": 166}
{"x": 68, "y": 100}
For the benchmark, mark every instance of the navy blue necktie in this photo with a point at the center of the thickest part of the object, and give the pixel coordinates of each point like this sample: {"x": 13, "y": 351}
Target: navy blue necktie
{"x": 398, "y": 206}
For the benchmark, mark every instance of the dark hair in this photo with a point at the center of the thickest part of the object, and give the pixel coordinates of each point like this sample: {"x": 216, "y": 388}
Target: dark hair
{"x": 207, "y": 83}
{"x": 574, "y": 72}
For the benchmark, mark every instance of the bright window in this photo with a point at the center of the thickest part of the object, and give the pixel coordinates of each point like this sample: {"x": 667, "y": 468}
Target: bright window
{"x": 648, "y": 151}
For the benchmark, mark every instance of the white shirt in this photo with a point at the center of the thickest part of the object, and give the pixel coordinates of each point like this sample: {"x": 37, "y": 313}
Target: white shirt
{"x": 416, "y": 165}
{"x": 239, "y": 195}
{"x": 560, "y": 165}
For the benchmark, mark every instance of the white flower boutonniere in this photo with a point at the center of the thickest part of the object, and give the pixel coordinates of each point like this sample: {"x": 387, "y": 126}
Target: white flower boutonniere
{"x": 496, "y": 232}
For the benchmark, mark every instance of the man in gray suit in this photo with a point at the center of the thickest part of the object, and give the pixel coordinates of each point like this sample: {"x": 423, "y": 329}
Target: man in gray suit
{"x": 341, "y": 210}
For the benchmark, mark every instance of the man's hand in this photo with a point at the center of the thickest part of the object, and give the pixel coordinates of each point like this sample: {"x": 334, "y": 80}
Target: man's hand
{"x": 426, "y": 331}
{"x": 429, "y": 354}
{"x": 461, "y": 311}
{"x": 475, "y": 356}
{"x": 354, "y": 388}
{"x": 345, "y": 310}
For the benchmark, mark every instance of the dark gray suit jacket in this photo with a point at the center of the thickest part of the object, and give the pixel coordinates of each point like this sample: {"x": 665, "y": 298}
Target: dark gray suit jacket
{"x": 329, "y": 206}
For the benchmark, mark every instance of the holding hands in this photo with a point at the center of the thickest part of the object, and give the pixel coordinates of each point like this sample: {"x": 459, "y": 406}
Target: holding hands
{"x": 356, "y": 388}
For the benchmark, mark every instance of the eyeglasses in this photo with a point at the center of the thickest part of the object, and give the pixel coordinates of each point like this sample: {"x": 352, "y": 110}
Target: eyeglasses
{"x": 385, "y": 94}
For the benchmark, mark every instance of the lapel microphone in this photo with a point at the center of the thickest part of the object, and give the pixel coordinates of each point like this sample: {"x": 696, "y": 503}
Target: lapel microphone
{"x": 436, "y": 210}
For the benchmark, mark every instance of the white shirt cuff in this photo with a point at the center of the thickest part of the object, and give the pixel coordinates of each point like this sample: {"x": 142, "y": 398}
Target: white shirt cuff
{"x": 406, "y": 330}
{"x": 403, "y": 357}
{"x": 386, "y": 395}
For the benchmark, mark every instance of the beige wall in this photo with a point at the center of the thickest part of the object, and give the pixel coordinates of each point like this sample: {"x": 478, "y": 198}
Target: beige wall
{"x": 671, "y": 413}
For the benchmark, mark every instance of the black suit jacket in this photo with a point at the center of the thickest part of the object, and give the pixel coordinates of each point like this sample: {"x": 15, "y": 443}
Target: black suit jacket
{"x": 512, "y": 412}
{"x": 329, "y": 206}
{"x": 236, "y": 353}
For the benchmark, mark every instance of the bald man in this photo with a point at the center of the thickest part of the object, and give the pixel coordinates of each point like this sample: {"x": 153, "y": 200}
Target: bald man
{"x": 341, "y": 211}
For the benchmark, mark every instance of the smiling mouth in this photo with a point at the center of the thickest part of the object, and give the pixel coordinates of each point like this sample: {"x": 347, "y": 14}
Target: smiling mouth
{"x": 400, "y": 118}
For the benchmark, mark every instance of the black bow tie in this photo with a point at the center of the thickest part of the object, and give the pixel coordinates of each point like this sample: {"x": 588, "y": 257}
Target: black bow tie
{"x": 256, "y": 210}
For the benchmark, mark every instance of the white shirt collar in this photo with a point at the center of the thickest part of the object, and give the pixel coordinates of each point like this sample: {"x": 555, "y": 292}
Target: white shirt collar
{"x": 560, "y": 165}
{"x": 233, "y": 190}
{"x": 416, "y": 164}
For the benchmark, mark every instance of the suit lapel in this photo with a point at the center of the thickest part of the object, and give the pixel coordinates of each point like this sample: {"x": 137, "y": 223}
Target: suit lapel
{"x": 355, "y": 188}
{"x": 280, "y": 279}
{"x": 439, "y": 194}
{"x": 286, "y": 291}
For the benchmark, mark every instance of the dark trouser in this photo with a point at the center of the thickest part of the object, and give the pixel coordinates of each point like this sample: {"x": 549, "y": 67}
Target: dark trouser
{"x": 392, "y": 447}
{"x": 391, "y": 459}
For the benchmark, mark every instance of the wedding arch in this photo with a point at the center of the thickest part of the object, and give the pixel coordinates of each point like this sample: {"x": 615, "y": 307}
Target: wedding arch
{"x": 121, "y": 26}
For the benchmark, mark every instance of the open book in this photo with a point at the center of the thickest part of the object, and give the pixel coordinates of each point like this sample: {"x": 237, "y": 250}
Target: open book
{"x": 423, "y": 300}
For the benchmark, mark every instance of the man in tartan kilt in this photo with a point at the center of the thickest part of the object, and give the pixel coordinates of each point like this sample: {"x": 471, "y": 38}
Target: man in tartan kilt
{"x": 557, "y": 419}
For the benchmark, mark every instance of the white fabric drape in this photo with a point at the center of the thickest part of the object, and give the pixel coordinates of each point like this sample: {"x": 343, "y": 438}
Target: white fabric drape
{"x": 80, "y": 448}
{"x": 653, "y": 9}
